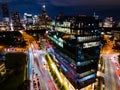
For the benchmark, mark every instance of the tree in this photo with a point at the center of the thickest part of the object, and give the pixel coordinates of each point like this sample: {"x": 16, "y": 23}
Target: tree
{"x": 24, "y": 86}
{"x": 15, "y": 61}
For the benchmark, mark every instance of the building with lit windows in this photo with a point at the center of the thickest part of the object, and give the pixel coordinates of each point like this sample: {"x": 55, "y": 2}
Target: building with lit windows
{"x": 108, "y": 22}
{"x": 29, "y": 19}
{"x": 116, "y": 38}
{"x": 4, "y": 27}
{"x": 44, "y": 19}
{"x": 62, "y": 23}
{"x": 78, "y": 50}
{"x": 36, "y": 20}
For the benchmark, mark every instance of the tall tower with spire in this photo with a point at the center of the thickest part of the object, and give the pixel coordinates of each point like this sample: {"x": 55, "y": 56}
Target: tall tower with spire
{"x": 96, "y": 16}
{"x": 43, "y": 9}
{"x": 44, "y": 18}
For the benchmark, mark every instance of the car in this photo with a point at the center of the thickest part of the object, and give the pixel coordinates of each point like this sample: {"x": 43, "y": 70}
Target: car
{"x": 116, "y": 64}
{"x": 38, "y": 82}
{"x": 118, "y": 74}
{"x": 34, "y": 84}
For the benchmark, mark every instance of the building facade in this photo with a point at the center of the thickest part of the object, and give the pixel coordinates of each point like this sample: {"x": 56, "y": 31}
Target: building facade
{"x": 16, "y": 20}
{"x": 80, "y": 48}
{"x": 29, "y": 19}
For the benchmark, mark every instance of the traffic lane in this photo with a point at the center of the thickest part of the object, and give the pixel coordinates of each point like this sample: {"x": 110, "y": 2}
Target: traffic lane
{"x": 117, "y": 78}
{"x": 117, "y": 81}
{"x": 110, "y": 83}
{"x": 46, "y": 75}
{"x": 112, "y": 70}
{"x": 116, "y": 66}
{"x": 40, "y": 73}
{"x": 107, "y": 75}
{"x": 50, "y": 81}
{"x": 40, "y": 76}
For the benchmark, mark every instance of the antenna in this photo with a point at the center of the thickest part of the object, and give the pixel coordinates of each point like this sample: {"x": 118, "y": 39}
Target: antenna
{"x": 94, "y": 14}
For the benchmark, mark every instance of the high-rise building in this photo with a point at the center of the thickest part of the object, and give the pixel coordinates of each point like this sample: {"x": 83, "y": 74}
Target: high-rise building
{"x": 78, "y": 52}
{"x": 43, "y": 9}
{"x": 5, "y": 12}
{"x": 29, "y": 19}
{"x": 36, "y": 20}
{"x": 16, "y": 20}
{"x": 44, "y": 19}
{"x": 108, "y": 22}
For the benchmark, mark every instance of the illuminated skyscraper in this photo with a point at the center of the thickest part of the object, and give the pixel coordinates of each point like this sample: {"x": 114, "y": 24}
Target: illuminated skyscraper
{"x": 36, "y": 20}
{"x": 79, "y": 50}
{"x": 44, "y": 18}
{"x": 29, "y": 19}
{"x": 43, "y": 9}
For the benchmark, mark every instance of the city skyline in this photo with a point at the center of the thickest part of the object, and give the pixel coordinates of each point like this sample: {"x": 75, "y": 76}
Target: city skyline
{"x": 65, "y": 2}
{"x": 103, "y": 8}
{"x": 59, "y": 45}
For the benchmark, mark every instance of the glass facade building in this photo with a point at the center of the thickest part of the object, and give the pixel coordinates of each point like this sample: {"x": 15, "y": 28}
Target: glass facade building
{"x": 80, "y": 49}
{"x": 28, "y": 19}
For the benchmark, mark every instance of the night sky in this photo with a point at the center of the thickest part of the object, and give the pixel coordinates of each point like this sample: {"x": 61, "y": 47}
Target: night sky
{"x": 102, "y": 8}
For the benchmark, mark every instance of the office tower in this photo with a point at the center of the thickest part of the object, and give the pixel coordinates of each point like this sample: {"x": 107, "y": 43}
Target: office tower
{"x": 108, "y": 22}
{"x": 36, "y": 20}
{"x": 43, "y": 9}
{"x": 29, "y": 19}
{"x": 5, "y": 12}
{"x": 16, "y": 20}
{"x": 78, "y": 52}
{"x": 44, "y": 19}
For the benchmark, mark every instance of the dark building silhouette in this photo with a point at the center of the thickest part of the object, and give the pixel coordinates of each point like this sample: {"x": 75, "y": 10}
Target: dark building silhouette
{"x": 5, "y": 12}
{"x": 16, "y": 20}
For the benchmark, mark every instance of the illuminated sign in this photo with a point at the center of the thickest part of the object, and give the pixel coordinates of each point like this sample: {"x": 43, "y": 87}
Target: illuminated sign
{"x": 91, "y": 44}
